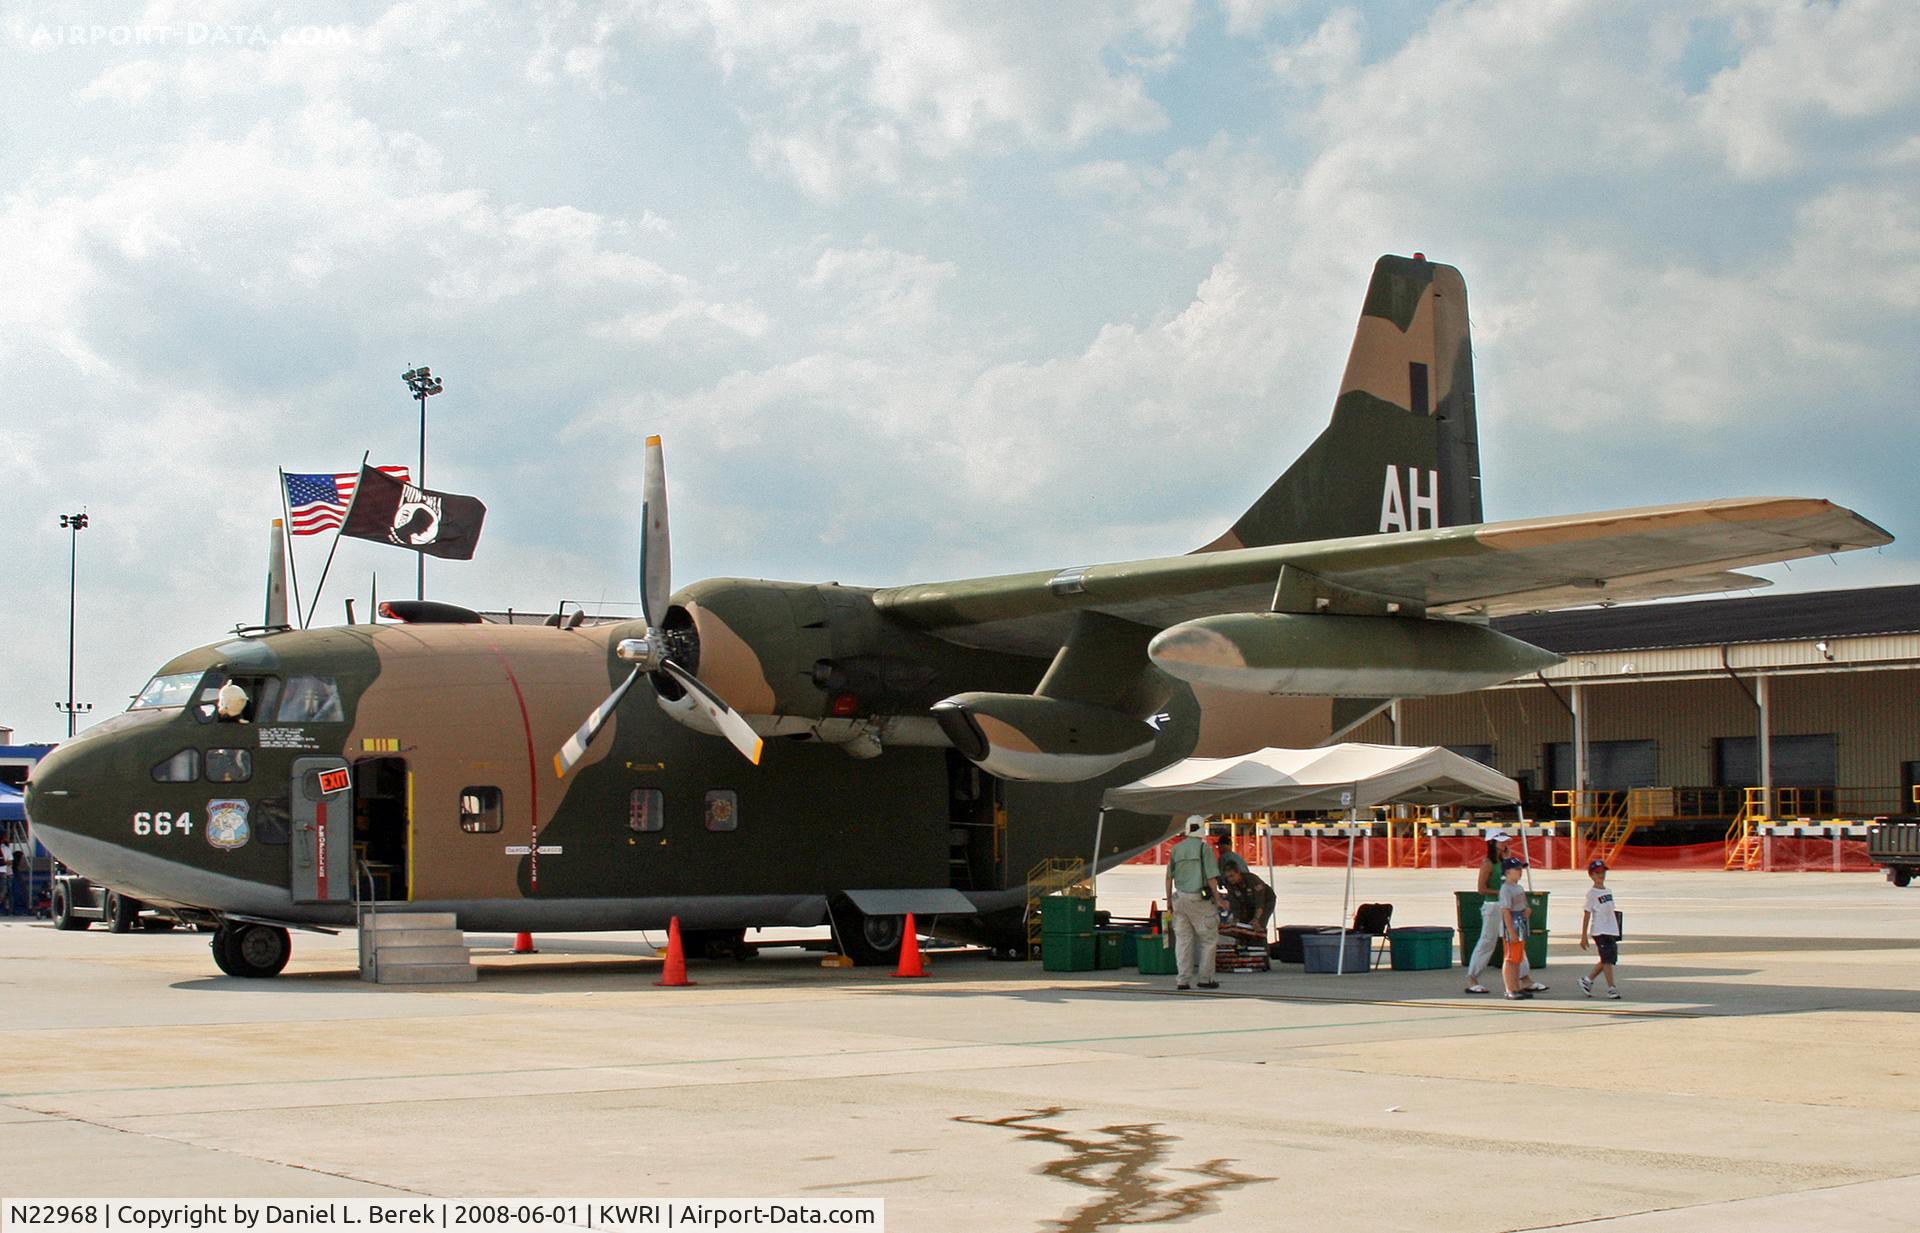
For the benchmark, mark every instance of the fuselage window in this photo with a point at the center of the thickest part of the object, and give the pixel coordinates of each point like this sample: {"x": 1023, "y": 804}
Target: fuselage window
{"x": 723, "y": 811}
{"x": 183, "y": 767}
{"x": 646, "y": 810}
{"x": 481, "y": 811}
{"x": 163, "y": 692}
{"x": 229, "y": 765}
{"x": 273, "y": 820}
{"x": 311, "y": 700}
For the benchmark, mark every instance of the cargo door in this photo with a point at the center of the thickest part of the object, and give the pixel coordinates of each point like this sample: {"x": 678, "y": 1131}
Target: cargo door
{"x": 322, "y": 824}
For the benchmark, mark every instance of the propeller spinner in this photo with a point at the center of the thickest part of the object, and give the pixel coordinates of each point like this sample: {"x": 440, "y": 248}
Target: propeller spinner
{"x": 650, "y": 654}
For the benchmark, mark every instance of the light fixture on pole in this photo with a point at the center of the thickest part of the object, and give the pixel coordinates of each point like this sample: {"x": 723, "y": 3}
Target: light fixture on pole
{"x": 424, "y": 386}
{"x": 73, "y": 524}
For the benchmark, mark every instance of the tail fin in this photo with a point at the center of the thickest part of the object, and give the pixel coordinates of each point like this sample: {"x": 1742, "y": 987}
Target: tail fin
{"x": 1402, "y": 452}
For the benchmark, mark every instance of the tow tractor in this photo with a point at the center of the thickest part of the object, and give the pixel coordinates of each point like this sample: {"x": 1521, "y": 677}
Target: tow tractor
{"x": 1895, "y": 844}
{"x": 77, "y": 903}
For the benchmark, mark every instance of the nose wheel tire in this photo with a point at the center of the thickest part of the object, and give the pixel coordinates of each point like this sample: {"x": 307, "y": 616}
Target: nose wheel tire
{"x": 63, "y": 917}
{"x": 251, "y": 951}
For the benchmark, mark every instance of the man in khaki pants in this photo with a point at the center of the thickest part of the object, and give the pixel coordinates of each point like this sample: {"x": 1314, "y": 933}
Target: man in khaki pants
{"x": 1193, "y": 896}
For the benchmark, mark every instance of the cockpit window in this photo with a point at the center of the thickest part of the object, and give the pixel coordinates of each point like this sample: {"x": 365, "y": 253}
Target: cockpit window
{"x": 247, "y": 699}
{"x": 229, "y": 765}
{"x": 183, "y": 767}
{"x": 171, "y": 690}
{"x": 311, "y": 700}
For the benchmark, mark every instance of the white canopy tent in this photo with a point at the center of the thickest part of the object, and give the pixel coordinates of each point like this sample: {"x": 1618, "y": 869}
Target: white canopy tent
{"x": 1334, "y": 777}
{"x": 1350, "y": 777}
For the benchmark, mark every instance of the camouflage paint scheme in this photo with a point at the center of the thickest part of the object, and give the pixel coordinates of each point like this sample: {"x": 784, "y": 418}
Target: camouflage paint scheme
{"x": 876, "y": 705}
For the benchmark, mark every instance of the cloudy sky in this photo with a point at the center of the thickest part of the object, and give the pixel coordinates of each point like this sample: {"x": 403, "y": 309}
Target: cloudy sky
{"x": 912, "y": 290}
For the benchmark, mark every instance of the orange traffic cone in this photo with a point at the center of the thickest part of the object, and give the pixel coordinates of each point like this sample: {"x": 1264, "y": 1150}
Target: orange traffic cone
{"x": 675, "y": 973}
{"x": 910, "y": 964}
{"x": 1153, "y": 914}
{"x": 523, "y": 944}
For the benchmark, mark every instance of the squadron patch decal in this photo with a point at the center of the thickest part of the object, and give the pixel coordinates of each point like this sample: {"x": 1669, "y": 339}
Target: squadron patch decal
{"x": 227, "y": 826}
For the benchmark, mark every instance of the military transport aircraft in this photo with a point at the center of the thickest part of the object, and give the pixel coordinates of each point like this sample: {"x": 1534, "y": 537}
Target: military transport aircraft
{"x": 914, "y": 748}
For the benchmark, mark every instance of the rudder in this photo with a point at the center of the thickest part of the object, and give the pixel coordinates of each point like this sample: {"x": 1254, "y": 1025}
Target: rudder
{"x": 1402, "y": 452}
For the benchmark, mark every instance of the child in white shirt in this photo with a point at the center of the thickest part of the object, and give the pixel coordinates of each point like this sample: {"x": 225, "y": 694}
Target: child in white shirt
{"x": 1603, "y": 919}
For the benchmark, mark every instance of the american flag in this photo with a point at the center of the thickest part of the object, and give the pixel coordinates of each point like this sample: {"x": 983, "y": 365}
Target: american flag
{"x": 318, "y": 503}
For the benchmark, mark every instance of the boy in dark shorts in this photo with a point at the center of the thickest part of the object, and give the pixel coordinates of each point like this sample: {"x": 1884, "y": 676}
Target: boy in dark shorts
{"x": 1516, "y": 915}
{"x": 1603, "y": 919}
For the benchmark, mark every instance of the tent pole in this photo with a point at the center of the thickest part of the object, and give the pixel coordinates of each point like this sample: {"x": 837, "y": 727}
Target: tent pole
{"x": 1272, "y": 921}
{"x": 1346, "y": 899}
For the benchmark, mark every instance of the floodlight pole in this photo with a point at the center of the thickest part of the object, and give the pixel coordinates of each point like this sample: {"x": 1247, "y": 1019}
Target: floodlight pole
{"x": 74, "y": 524}
{"x": 424, "y": 386}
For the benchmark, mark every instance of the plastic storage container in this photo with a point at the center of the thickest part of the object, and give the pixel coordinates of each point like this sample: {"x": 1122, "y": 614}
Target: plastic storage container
{"x": 1155, "y": 957}
{"x": 1066, "y": 914}
{"x": 1109, "y": 947}
{"x": 1322, "y": 952}
{"x": 1287, "y": 948}
{"x": 1421, "y": 948}
{"x": 1067, "y": 952}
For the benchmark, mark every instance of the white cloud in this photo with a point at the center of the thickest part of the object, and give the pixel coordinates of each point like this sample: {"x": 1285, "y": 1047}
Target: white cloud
{"x": 1807, "y": 68}
{"x": 843, "y": 92}
{"x": 1327, "y": 55}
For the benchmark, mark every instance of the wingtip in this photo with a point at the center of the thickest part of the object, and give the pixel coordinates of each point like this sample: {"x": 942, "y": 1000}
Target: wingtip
{"x": 758, "y": 748}
{"x": 559, "y": 767}
{"x": 653, "y": 441}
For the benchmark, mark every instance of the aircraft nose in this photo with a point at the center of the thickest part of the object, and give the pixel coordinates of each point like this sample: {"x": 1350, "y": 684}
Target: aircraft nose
{"x": 56, "y": 791}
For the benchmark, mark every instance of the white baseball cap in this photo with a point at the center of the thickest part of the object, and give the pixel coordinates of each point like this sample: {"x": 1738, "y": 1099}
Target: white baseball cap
{"x": 1499, "y": 837}
{"x": 1196, "y": 825}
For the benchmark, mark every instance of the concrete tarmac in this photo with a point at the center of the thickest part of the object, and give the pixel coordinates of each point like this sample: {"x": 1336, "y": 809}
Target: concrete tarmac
{"x": 1761, "y": 1074}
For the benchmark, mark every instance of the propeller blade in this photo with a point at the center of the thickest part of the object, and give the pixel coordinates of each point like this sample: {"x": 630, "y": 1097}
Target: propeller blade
{"x": 656, "y": 571}
{"x": 724, "y": 717}
{"x": 576, "y": 746}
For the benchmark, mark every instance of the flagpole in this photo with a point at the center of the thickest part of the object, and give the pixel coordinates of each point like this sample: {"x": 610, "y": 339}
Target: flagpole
{"x": 293, "y": 565}
{"x": 322, "y": 584}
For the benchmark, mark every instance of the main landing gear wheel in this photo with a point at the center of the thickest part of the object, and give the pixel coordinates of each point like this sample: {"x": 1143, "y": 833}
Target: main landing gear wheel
{"x": 121, "y": 913}
{"x": 869, "y": 941}
{"x": 252, "y": 951}
{"x": 1902, "y": 877}
{"x": 63, "y": 917}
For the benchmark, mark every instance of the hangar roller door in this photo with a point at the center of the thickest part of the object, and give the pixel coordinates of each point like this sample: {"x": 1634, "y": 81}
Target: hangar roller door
{"x": 1798, "y": 761}
{"x": 1611, "y": 765}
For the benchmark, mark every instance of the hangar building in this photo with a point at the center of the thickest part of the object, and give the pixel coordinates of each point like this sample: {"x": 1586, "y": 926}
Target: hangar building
{"x": 1812, "y": 699}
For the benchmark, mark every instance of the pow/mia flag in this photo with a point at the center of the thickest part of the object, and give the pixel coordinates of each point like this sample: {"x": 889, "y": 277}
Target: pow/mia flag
{"x": 391, "y": 511}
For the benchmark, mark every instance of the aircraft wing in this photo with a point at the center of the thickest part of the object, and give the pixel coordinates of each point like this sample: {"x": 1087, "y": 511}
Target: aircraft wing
{"x": 1488, "y": 569}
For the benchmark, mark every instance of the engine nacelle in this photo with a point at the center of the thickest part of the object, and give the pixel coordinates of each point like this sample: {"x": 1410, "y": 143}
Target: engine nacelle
{"x": 818, "y": 661}
{"x": 1047, "y": 740}
{"x": 1325, "y": 655}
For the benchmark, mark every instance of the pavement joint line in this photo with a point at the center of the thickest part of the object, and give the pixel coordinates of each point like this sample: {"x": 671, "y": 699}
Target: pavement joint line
{"x": 1712, "y": 1203}
{"x": 227, "y": 1151}
{"x": 771, "y": 1057}
{"x": 1495, "y": 1006}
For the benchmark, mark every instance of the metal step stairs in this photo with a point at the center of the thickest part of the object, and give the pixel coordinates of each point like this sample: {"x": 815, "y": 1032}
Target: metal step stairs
{"x": 414, "y": 948}
{"x": 1053, "y": 876}
{"x": 1744, "y": 842}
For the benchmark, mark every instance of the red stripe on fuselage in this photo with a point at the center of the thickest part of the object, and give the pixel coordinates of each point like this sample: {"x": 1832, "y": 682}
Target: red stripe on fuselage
{"x": 320, "y": 853}
{"x": 533, "y": 770}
